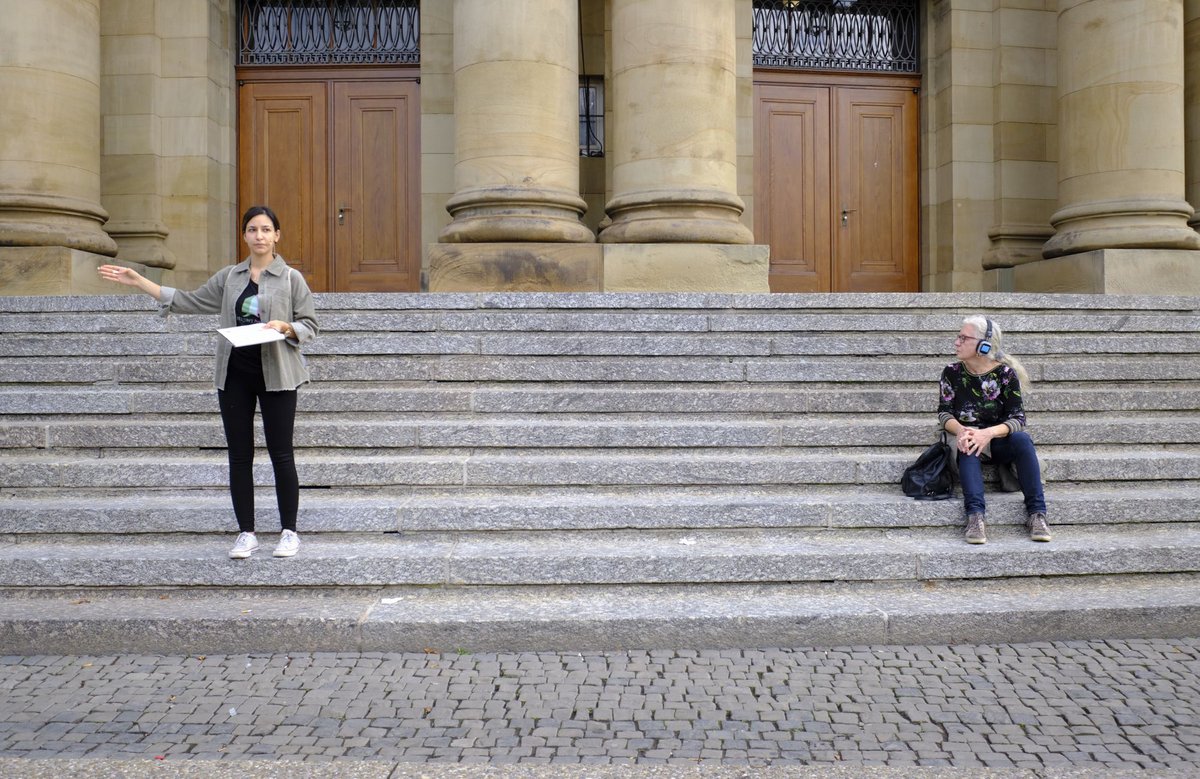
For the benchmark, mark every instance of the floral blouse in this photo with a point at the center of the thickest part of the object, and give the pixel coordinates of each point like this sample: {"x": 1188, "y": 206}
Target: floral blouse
{"x": 981, "y": 401}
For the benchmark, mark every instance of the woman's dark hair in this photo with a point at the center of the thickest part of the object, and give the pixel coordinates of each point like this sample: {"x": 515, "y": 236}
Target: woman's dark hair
{"x": 254, "y": 211}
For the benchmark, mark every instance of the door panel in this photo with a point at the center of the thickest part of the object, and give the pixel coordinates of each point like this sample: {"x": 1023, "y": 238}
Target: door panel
{"x": 282, "y": 151}
{"x": 376, "y": 154}
{"x": 876, "y": 191}
{"x": 836, "y": 187}
{"x": 792, "y": 175}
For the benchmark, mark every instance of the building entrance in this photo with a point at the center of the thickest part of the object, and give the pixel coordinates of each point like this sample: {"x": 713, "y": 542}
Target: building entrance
{"x": 836, "y": 182}
{"x": 338, "y": 161}
{"x": 329, "y": 136}
{"x": 836, "y": 191}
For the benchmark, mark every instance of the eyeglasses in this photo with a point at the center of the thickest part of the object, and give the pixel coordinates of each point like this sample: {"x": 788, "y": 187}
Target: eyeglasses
{"x": 960, "y": 338}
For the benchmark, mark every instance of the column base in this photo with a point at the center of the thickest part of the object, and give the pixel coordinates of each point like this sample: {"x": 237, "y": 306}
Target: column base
{"x": 1113, "y": 272}
{"x": 55, "y": 270}
{"x": 514, "y": 267}
{"x": 691, "y": 267}
{"x": 1155, "y": 224}
{"x": 541, "y": 267}
{"x": 1013, "y": 245}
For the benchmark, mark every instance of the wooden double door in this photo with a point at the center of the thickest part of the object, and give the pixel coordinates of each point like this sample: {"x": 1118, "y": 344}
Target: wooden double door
{"x": 836, "y": 182}
{"x": 337, "y": 159}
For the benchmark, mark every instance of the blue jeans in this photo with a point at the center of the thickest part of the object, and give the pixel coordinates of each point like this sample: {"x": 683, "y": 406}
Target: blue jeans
{"x": 1016, "y": 447}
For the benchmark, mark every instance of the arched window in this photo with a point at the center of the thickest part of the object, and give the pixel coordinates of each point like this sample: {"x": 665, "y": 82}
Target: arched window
{"x": 328, "y": 32}
{"x": 864, "y": 35}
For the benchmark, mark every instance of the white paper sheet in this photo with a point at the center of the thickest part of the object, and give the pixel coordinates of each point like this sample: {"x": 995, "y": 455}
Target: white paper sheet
{"x": 249, "y": 335}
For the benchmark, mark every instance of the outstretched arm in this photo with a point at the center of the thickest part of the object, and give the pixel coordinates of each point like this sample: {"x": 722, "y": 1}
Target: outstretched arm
{"x": 130, "y": 278}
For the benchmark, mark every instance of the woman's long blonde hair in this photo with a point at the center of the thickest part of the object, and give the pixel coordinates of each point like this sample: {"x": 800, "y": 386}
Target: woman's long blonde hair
{"x": 979, "y": 323}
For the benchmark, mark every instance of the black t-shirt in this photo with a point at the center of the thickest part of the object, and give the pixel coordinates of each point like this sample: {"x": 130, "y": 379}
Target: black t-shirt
{"x": 247, "y": 359}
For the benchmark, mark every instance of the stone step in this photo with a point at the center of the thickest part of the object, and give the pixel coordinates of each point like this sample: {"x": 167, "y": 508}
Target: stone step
{"x": 603, "y": 557}
{"x": 917, "y": 371}
{"x": 395, "y": 431}
{"x": 598, "y": 618}
{"x": 567, "y": 317}
{"x": 616, "y": 398}
{"x": 731, "y": 345}
{"x": 578, "y": 467}
{"x": 356, "y": 510}
{"x": 964, "y": 302}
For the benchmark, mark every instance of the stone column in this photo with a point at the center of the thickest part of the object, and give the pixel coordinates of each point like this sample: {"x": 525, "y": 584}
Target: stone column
{"x": 1121, "y": 178}
{"x": 516, "y": 85}
{"x": 50, "y": 127}
{"x": 674, "y": 133}
{"x": 1191, "y": 103}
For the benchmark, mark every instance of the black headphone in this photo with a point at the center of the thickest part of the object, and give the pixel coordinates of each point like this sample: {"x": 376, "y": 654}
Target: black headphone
{"x": 985, "y": 344}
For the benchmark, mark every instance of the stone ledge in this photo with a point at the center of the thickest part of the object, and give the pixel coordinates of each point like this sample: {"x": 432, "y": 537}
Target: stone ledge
{"x": 1113, "y": 272}
{"x": 600, "y": 618}
{"x": 56, "y": 270}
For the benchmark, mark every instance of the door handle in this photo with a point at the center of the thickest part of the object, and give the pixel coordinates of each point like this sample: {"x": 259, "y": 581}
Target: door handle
{"x": 846, "y": 212}
{"x": 342, "y": 214}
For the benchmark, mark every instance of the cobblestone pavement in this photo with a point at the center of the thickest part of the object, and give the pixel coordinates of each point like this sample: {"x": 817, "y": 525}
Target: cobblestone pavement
{"x": 1125, "y": 705}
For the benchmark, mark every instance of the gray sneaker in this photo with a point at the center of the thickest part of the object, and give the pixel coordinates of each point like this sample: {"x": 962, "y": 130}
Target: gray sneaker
{"x": 289, "y": 544}
{"x": 976, "y": 532}
{"x": 244, "y": 546}
{"x": 1038, "y": 529}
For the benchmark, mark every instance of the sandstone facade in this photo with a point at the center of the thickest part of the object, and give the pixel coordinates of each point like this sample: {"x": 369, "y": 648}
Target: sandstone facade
{"x": 1059, "y": 144}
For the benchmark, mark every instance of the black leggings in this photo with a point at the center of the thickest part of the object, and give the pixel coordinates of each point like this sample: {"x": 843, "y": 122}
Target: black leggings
{"x": 237, "y": 400}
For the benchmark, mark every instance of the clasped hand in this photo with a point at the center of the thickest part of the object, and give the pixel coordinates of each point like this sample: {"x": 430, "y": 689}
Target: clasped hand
{"x": 972, "y": 440}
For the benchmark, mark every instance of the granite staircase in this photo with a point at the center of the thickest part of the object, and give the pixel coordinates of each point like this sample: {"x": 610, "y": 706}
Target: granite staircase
{"x": 532, "y": 471}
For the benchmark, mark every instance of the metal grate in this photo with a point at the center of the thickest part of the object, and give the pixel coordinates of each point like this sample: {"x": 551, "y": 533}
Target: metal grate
{"x": 862, "y": 35}
{"x": 329, "y": 32}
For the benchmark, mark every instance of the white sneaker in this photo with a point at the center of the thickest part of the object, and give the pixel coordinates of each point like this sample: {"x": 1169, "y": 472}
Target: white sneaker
{"x": 245, "y": 546}
{"x": 289, "y": 544}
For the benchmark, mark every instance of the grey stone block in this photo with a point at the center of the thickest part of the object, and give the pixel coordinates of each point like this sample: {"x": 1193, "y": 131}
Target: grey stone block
{"x": 88, "y": 344}
{"x": 379, "y": 320}
{"x": 194, "y": 511}
{"x": 195, "y": 561}
{"x": 620, "y": 344}
{"x": 24, "y": 401}
{"x": 334, "y": 399}
{"x": 31, "y": 370}
{"x": 166, "y": 370}
{"x": 23, "y": 436}
{"x": 649, "y": 558}
{"x": 678, "y": 400}
{"x": 635, "y": 469}
{"x": 1132, "y": 549}
{"x": 552, "y": 434}
{"x": 213, "y": 471}
{"x": 575, "y": 321}
{"x": 399, "y": 343}
{"x": 598, "y": 369}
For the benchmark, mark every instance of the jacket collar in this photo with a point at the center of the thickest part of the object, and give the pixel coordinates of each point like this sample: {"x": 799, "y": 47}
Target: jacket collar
{"x": 277, "y": 267}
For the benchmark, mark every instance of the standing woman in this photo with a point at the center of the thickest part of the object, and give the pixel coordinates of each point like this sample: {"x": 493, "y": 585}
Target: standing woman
{"x": 981, "y": 405}
{"x": 261, "y": 288}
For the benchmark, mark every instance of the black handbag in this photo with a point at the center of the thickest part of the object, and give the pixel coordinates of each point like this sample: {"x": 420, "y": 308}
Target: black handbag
{"x": 930, "y": 477}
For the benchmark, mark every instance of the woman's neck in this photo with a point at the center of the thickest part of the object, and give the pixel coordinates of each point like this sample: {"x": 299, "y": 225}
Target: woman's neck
{"x": 260, "y": 261}
{"x": 979, "y": 365}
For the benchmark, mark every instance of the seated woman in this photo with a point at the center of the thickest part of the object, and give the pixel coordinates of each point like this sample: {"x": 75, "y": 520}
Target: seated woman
{"x": 981, "y": 406}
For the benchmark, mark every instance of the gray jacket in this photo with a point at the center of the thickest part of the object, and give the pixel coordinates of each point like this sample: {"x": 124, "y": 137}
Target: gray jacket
{"x": 282, "y": 294}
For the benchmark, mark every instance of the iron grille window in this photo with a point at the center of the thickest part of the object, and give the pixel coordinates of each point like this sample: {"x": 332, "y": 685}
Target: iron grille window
{"x": 870, "y": 35}
{"x": 328, "y": 32}
{"x": 591, "y": 116}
